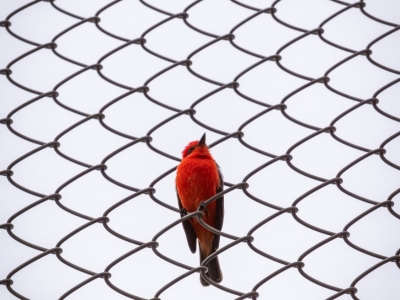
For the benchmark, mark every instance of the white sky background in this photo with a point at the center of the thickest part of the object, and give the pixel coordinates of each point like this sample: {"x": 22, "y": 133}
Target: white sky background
{"x": 144, "y": 273}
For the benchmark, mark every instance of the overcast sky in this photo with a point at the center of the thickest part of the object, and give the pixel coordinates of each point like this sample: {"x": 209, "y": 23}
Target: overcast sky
{"x": 144, "y": 273}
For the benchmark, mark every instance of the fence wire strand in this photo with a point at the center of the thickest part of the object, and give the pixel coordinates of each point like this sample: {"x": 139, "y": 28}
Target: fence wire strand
{"x": 132, "y": 141}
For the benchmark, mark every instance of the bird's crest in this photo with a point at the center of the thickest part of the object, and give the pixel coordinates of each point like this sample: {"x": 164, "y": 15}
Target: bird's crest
{"x": 189, "y": 148}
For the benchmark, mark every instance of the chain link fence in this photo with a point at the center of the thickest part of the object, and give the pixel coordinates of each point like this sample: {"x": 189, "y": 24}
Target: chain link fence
{"x": 383, "y": 204}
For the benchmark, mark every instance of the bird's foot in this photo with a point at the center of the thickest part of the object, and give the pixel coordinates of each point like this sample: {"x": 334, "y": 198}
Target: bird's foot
{"x": 203, "y": 207}
{"x": 183, "y": 212}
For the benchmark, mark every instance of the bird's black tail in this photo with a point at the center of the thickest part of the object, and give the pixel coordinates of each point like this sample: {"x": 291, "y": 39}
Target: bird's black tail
{"x": 214, "y": 270}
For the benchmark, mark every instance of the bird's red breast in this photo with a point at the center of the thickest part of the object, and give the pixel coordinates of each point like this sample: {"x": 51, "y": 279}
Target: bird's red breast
{"x": 197, "y": 180}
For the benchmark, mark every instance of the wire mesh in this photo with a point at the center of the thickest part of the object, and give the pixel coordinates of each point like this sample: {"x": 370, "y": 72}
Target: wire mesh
{"x": 384, "y": 203}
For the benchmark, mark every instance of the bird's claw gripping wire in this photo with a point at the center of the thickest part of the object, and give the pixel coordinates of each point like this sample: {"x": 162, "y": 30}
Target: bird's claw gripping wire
{"x": 183, "y": 212}
{"x": 203, "y": 207}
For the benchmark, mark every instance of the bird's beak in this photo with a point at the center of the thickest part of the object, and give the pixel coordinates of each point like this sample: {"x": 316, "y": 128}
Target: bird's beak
{"x": 202, "y": 141}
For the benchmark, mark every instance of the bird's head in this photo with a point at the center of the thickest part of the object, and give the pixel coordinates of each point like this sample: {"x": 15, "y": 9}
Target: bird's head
{"x": 196, "y": 148}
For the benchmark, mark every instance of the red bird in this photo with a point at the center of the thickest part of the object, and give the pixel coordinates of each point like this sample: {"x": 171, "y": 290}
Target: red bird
{"x": 198, "y": 178}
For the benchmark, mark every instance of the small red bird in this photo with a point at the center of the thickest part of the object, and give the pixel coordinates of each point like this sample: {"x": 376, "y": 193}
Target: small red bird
{"x": 198, "y": 178}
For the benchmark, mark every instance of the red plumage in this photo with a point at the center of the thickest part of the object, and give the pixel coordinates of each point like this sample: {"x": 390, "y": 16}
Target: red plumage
{"x": 197, "y": 179}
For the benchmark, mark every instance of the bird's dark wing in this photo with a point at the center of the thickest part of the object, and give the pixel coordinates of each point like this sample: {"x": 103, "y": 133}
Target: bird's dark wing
{"x": 189, "y": 231}
{"x": 219, "y": 219}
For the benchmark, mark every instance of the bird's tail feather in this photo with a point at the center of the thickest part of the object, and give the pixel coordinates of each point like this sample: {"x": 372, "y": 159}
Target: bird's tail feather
{"x": 214, "y": 270}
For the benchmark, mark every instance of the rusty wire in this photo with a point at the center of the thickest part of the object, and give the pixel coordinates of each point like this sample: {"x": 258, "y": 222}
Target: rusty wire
{"x": 147, "y": 139}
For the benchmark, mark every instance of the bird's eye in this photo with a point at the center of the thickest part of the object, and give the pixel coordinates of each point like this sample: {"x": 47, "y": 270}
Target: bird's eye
{"x": 189, "y": 151}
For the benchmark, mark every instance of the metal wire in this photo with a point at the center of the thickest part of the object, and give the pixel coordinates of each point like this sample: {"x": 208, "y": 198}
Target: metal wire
{"x": 147, "y": 139}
